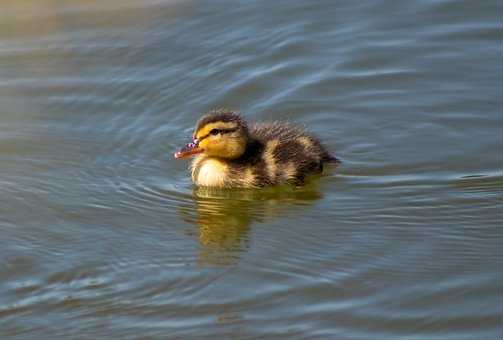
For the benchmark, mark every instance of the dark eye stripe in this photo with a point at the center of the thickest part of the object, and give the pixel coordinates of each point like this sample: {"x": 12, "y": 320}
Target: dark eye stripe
{"x": 227, "y": 130}
{"x": 222, "y": 131}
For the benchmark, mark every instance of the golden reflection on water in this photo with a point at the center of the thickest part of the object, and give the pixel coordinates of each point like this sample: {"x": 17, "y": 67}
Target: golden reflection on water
{"x": 224, "y": 217}
{"x": 45, "y": 17}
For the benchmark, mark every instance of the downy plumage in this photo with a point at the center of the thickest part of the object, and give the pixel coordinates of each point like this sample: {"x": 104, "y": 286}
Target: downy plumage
{"x": 230, "y": 154}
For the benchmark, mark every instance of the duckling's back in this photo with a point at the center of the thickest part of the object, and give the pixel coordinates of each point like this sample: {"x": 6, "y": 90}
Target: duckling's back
{"x": 280, "y": 153}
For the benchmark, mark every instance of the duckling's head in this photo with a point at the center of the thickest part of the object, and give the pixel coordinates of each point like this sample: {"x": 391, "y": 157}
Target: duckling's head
{"x": 221, "y": 133}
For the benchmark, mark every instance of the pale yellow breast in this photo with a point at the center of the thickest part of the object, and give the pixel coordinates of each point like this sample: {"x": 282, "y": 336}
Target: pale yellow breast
{"x": 209, "y": 172}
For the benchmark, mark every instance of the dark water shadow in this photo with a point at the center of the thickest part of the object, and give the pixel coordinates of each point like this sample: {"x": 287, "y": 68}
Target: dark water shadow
{"x": 224, "y": 217}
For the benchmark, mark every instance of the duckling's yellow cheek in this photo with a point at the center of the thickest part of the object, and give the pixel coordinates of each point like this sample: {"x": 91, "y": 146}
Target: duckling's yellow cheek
{"x": 205, "y": 144}
{"x": 211, "y": 144}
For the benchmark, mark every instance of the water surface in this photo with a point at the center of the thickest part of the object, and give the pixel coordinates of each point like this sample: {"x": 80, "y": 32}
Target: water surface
{"x": 104, "y": 236}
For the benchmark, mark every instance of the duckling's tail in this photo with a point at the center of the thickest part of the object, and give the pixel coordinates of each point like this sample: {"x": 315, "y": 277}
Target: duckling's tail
{"x": 331, "y": 159}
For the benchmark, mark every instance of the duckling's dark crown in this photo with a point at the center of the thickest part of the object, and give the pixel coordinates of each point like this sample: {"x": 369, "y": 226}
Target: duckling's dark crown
{"x": 225, "y": 116}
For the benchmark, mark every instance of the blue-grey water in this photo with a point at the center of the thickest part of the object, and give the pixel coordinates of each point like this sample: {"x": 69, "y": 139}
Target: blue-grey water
{"x": 102, "y": 234}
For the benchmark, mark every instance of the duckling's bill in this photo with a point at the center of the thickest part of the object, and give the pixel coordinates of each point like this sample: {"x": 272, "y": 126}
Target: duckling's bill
{"x": 188, "y": 150}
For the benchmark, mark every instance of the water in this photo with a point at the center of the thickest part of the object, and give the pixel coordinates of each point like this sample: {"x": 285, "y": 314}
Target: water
{"x": 103, "y": 235}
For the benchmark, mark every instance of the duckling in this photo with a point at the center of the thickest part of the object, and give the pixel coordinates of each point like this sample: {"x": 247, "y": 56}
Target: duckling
{"x": 229, "y": 154}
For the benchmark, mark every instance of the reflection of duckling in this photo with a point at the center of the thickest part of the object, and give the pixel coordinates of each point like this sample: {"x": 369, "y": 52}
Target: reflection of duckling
{"x": 229, "y": 154}
{"x": 224, "y": 216}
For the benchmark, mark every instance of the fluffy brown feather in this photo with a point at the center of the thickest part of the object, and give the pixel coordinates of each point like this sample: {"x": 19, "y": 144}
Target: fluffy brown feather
{"x": 268, "y": 153}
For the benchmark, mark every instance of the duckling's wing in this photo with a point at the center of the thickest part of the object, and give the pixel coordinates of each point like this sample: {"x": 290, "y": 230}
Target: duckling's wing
{"x": 289, "y": 135}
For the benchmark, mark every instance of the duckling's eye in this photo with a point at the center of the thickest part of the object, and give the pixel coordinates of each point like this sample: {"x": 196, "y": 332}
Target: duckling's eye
{"x": 214, "y": 132}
